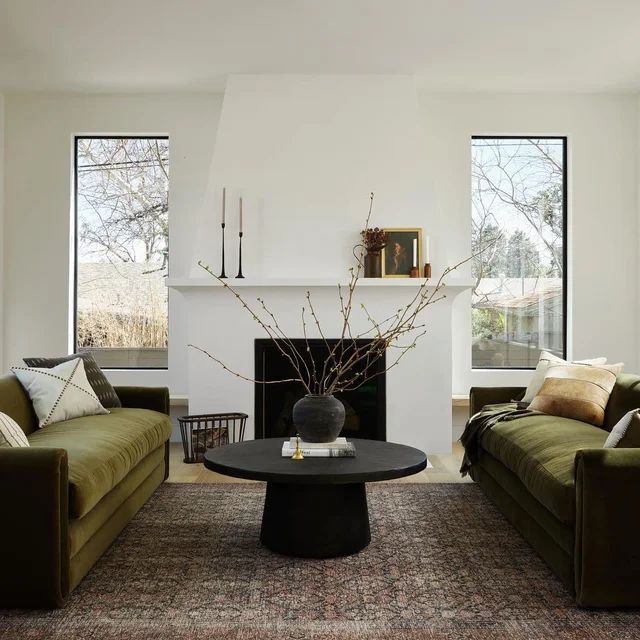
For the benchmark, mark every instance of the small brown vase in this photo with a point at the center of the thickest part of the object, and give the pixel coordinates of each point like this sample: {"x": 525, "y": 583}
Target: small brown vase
{"x": 373, "y": 263}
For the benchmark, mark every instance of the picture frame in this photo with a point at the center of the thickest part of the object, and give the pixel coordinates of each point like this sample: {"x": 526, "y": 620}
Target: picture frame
{"x": 397, "y": 256}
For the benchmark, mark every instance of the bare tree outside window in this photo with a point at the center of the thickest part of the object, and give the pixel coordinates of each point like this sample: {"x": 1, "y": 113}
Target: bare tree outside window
{"x": 122, "y": 249}
{"x": 518, "y": 218}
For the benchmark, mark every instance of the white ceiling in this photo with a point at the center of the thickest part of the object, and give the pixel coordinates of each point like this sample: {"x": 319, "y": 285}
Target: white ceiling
{"x": 191, "y": 45}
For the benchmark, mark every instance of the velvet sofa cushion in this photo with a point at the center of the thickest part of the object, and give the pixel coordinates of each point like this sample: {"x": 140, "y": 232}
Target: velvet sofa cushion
{"x": 102, "y": 450}
{"x": 541, "y": 451}
{"x": 81, "y": 530}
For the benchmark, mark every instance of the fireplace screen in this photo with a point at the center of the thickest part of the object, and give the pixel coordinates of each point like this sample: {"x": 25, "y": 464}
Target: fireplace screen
{"x": 365, "y": 407}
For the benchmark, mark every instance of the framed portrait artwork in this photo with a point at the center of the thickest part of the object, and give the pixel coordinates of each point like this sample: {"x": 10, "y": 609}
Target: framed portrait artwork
{"x": 403, "y": 251}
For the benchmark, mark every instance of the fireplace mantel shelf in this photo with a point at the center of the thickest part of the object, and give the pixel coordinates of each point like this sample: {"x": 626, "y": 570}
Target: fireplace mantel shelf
{"x": 307, "y": 283}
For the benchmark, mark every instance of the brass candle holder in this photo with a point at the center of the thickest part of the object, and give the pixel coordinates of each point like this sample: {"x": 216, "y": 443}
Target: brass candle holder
{"x": 297, "y": 454}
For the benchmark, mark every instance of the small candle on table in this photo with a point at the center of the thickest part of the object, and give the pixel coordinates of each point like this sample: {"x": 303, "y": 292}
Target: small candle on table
{"x": 224, "y": 198}
{"x": 415, "y": 252}
{"x": 240, "y": 215}
{"x": 426, "y": 253}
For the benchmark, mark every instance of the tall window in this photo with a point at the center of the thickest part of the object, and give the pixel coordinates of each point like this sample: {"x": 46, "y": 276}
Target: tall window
{"x": 122, "y": 205}
{"x": 519, "y": 201}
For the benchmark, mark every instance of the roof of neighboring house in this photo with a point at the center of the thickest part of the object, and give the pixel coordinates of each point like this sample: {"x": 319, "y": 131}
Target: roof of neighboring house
{"x": 124, "y": 287}
{"x": 524, "y": 294}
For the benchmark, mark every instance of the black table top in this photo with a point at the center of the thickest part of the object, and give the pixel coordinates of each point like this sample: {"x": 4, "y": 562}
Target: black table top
{"x": 262, "y": 460}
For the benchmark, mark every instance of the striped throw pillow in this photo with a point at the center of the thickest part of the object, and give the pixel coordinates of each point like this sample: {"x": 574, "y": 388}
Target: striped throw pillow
{"x": 577, "y": 392}
{"x": 11, "y": 435}
{"x": 626, "y": 433}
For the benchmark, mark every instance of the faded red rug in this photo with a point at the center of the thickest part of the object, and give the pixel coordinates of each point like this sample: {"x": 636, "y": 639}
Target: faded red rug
{"x": 443, "y": 564}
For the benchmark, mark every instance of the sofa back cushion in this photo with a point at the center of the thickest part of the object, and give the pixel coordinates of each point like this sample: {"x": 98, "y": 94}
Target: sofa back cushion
{"x": 624, "y": 397}
{"x": 15, "y": 402}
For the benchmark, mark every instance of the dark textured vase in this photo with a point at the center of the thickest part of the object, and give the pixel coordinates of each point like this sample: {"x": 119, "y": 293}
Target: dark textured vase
{"x": 373, "y": 263}
{"x": 318, "y": 418}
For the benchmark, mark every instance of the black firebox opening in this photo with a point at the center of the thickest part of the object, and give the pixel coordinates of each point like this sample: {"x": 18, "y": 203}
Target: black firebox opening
{"x": 365, "y": 406}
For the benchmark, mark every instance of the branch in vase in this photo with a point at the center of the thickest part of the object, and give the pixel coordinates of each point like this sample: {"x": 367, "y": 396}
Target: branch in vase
{"x": 360, "y": 380}
{"x": 269, "y": 330}
{"x": 355, "y": 275}
{"x": 331, "y": 356}
{"x": 239, "y": 375}
{"x": 314, "y": 374}
{"x": 294, "y": 352}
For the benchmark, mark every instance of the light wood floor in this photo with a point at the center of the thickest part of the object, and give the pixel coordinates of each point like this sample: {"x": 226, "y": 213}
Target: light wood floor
{"x": 445, "y": 469}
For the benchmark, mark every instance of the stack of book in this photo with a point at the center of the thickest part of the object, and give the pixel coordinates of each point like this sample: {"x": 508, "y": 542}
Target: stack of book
{"x": 339, "y": 448}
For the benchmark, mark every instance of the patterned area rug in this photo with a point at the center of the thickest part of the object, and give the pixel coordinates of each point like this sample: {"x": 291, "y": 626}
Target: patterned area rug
{"x": 443, "y": 564}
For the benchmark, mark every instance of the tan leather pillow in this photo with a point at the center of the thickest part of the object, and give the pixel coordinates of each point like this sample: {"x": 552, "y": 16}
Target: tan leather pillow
{"x": 545, "y": 361}
{"x": 577, "y": 392}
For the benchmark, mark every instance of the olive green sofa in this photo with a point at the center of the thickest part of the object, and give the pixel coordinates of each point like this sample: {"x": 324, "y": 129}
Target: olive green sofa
{"x": 68, "y": 495}
{"x": 574, "y": 501}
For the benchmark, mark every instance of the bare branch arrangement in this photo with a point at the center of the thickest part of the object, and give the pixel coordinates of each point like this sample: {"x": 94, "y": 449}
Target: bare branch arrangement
{"x": 354, "y": 358}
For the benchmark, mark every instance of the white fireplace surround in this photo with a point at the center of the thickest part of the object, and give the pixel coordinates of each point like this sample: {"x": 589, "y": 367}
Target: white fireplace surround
{"x": 418, "y": 389}
{"x": 304, "y": 152}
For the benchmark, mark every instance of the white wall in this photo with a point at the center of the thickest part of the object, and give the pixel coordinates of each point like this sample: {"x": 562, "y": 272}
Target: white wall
{"x": 2, "y": 190}
{"x": 603, "y": 213}
{"x": 39, "y": 137}
{"x": 603, "y": 178}
{"x": 304, "y": 152}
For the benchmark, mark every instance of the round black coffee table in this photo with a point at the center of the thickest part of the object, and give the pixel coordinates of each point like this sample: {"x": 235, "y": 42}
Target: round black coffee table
{"x": 316, "y": 507}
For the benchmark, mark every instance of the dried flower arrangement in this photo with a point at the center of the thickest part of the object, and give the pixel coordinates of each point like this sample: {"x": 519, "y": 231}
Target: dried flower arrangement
{"x": 342, "y": 367}
{"x": 374, "y": 239}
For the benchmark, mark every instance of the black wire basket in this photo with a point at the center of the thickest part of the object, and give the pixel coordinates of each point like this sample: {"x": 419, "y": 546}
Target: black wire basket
{"x": 209, "y": 430}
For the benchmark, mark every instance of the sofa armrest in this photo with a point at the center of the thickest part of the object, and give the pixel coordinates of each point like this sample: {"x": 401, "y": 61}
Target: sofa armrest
{"x": 607, "y": 551}
{"x": 482, "y": 396}
{"x": 155, "y": 398}
{"x": 34, "y": 546}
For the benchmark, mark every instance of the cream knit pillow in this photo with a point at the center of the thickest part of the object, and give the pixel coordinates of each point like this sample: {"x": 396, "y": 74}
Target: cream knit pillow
{"x": 59, "y": 393}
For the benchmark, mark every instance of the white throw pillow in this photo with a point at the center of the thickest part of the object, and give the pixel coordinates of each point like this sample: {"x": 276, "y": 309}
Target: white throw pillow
{"x": 626, "y": 433}
{"x": 59, "y": 393}
{"x": 544, "y": 361}
{"x": 11, "y": 435}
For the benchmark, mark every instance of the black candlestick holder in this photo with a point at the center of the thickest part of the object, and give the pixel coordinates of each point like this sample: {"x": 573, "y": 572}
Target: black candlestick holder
{"x": 222, "y": 273}
{"x": 240, "y": 256}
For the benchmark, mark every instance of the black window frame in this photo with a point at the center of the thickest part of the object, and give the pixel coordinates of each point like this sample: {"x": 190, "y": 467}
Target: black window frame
{"x": 565, "y": 238}
{"x": 76, "y": 138}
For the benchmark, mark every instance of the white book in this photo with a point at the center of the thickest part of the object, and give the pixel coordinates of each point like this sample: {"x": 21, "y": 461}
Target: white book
{"x": 338, "y": 443}
{"x": 342, "y": 452}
